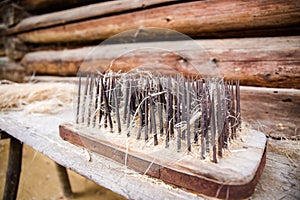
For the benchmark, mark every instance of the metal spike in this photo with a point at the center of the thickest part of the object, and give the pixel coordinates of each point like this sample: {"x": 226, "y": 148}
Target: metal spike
{"x": 116, "y": 106}
{"x": 78, "y": 98}
{"x": 128, "y": 108}
{"x": 178, "y": 117}
{"x": 188, "y": 125}
{"x": 146, "y": 109}
{"x": 91, "y": 96}
{"x": 213, "y": 127}
{"x": 84, "y": 98}
{"x": 160, "y": 108}
{"x": 97, "y": 82}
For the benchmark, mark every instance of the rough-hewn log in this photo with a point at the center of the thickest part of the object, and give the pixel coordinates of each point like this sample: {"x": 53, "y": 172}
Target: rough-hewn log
{"x": 82, "y": 13}
{"x": 272, "y": 111}
{"x": 10, "y": 70}
{"x": 271, "y": 62}
{"x": 200, "y": 18}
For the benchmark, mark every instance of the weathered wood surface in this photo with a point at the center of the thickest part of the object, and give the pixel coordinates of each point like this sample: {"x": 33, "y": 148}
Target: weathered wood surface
{"x": 278, "y": 180}
{"x": 199, "y": 18}
{"x": 10, "y": 70}
{"x": 269, "y": 62}
{"x": 82, "y": 13}
{"x": 41, "y": 133}
{"x": 272, "y": 111}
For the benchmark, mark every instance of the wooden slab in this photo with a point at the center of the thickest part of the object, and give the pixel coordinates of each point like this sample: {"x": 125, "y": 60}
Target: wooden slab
{"x": 227, "y": 179}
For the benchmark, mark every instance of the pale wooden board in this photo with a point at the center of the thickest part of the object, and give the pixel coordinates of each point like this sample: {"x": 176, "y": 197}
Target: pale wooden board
{"x": 41, "y": 133}
{"x": 279, "y": 178}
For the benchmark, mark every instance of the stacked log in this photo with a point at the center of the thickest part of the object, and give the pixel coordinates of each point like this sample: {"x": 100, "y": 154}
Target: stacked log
{"x": 269, "y": 62}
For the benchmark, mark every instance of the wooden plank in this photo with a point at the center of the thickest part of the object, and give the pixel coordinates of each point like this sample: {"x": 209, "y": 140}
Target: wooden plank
{"x": 199, "y": 18}
{"x": 82, "y": 13}
{"x": 280, "y": 171}
{"x": 269, "y": 62}
{"x": 272, "y": 111}
{"x": 42, "y": 135}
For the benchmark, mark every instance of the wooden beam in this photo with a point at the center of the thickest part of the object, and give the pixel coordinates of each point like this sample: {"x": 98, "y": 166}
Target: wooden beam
{"x": 270, "y": 62}
{"x": 198, "y": 19}
{"x": 82, "y": 13}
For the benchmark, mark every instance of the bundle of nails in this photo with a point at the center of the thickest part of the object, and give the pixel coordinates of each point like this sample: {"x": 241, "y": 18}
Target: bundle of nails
{"x": 179, "y": 109}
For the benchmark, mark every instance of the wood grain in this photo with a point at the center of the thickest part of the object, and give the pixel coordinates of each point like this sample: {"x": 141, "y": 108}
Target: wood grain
{"x": 268, "y": 62}
{"x": 82, "y": 13}
{"x": 199, "y": 18}
{"x": 272, "y": 111}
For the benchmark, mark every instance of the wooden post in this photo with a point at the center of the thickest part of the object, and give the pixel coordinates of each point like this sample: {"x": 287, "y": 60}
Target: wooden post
{"x": 15, "y": 49}
{"x": 13, "y": 169}
{"x": 3, "y": 135}
{"x": 64, "y": 180}
{"x": 12, "y": 14}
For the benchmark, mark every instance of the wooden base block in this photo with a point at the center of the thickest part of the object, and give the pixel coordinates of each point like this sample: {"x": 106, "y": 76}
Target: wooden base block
{"x": 234, "y": 177}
